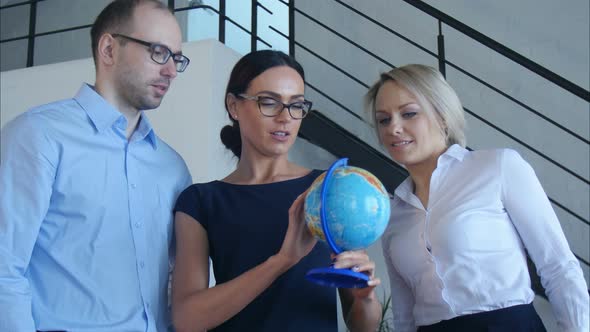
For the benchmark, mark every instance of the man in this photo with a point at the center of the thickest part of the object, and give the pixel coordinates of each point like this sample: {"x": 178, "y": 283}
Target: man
{"x": 87, "y": 188}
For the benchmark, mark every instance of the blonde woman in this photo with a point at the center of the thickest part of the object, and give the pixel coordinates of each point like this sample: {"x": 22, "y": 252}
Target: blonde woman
{"x": 462, "y": 221}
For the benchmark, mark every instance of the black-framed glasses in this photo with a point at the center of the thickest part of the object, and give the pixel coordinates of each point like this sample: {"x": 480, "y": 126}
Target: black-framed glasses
{"x": 269, "y": 106}
{"x": 161, "y": 53}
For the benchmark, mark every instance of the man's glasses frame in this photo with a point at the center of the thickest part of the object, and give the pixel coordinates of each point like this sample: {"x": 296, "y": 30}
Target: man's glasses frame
{"x": 304, "y": 105}
{"x": 160, "y": 54}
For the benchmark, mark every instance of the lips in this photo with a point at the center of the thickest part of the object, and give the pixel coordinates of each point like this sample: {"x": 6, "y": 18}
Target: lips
{"x": 161, "y": 88}
{"x": 280, "y": 135}
{"x": 401, "y": 143}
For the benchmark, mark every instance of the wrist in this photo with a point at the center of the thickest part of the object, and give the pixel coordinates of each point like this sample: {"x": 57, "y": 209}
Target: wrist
{"x": 281, "y": 262}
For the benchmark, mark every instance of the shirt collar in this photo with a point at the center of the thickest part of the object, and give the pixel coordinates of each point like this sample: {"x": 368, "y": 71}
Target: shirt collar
{"x": 145, "y": 130}
{"x": 103, "y": 115}
{"x": 455, "y": 151}
{"x": 406, "y": 188}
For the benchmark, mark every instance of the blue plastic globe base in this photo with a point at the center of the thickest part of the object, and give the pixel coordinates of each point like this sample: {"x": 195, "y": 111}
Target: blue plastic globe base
{"x": 340, "y": 278}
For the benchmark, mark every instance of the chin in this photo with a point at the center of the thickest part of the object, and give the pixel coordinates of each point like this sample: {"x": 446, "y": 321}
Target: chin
{"x": 278, "y": 151}
{"x": 150, "y": 105}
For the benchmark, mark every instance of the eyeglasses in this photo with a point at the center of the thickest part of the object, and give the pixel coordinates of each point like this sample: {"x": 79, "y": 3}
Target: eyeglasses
{"x": 161, "y": 53}
{"x": 271, "y": 107}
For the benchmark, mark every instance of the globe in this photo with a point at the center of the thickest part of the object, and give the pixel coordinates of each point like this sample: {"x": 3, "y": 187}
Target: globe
{"x": 356, "y": 207}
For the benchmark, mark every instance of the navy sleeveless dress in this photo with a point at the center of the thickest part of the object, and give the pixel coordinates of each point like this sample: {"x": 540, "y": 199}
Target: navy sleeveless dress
{"x": 246, "y": 225}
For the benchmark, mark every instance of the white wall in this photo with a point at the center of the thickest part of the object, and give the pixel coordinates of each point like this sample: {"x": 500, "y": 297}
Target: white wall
{"x": 189, "y": 118}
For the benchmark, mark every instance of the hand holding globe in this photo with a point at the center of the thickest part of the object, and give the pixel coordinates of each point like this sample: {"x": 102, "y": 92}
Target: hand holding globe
{"x": 347, "y": 207}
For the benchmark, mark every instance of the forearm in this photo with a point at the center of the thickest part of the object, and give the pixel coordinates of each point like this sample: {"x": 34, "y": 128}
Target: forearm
{"x": 208, "y": 308}
{"x": 568, "y": 295}
{"x": 364, "y": 314}
{"x": 15, "y": 306}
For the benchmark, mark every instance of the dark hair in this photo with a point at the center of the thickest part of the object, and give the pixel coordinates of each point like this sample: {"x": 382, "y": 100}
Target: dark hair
{"x": 244, "y": 72}
{"x": 116, "y": 17}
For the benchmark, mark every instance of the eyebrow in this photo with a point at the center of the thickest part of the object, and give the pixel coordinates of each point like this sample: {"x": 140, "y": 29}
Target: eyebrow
{"x": 168, "y": 47}
{"x": 399, "y": 107}
{"x": 274, "y": 94}
{"x": 407, "y": 104}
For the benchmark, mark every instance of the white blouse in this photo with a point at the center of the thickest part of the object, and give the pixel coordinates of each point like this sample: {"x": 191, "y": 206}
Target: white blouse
{"x": 465, "y": 252}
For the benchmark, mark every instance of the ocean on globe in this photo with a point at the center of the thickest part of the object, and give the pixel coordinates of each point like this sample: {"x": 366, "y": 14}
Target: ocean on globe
{"x": 357, "y": 208}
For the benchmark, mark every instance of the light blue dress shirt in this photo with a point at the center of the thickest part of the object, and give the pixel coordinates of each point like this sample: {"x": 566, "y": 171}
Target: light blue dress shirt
{"x": 85, "y": 219}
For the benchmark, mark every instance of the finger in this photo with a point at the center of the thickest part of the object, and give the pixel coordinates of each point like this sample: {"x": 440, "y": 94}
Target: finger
{"x": 354, "y": 254}
{"x": 368, "y": 268}
{"x": 374, "y": 282}
{"x": 296, "y": 206}
{"x": 362, "y": 263}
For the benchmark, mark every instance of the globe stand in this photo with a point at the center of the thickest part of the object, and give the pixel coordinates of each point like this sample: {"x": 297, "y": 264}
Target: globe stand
{"x": 330, "y": 276}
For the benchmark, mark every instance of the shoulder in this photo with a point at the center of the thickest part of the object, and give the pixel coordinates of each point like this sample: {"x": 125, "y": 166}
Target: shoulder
{"x": 504, "y": 165}
{"x": 491, "y": 160}
{"x": 38, "y": 126}
{"x": 504, "y": 158}
{"x": 54, "y": 112}
{"x": 171, "y": 161}
{"x": 41, "y": 113}
{"x": 493, "y": 154}
{"x": 484, "y": 155}
{"x": 44, "y": 119}
{"x": 198, "y": 190}
{"x": 169, "y": 152}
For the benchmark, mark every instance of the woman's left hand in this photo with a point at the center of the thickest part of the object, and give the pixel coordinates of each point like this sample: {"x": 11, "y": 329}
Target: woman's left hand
{"x": 358, "y": 261}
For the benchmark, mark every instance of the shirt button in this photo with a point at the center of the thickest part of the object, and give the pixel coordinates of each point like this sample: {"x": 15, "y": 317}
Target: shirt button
{"x": 138, "y": 224}
{"x": 142, "y": 264}
{"x": 133, "y": 185}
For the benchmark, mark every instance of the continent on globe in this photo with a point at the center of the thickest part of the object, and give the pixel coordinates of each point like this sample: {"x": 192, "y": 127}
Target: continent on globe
{"x": 356, "y": 205}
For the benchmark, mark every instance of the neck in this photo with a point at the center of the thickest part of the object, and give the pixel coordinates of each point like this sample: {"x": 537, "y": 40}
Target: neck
{"x": 422, "y": 172}
{"x": 130, "y": 113}
{"x": 260, "y": 170}
{"x": 421, "y": 175}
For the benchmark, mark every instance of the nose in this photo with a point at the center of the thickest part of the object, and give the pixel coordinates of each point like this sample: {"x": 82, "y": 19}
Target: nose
{"x": 169, "y": 69}
{"x": 284, "y": 115}
{"x": 395, "y": 127}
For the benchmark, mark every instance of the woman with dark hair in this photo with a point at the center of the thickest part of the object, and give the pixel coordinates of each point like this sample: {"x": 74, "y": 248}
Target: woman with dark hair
{"x": 251, "y": 226}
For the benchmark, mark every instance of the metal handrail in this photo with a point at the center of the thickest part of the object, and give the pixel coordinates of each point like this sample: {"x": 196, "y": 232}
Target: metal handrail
{"x": 579, "y": 177}
{"x": 18, "y": 4}
{"x": 31, "y": 36}
{"x": 501, "y": 49}
{"x": 225, "y": 17}
{"x": 441, "y": 59}
{"x": 577, "y": 216}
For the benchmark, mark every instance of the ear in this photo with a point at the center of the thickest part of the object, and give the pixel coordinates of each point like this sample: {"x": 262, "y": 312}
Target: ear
{"x": 106, "y": 49}
{"x": 445, "y": 128}
{"x": 231, "y": 101}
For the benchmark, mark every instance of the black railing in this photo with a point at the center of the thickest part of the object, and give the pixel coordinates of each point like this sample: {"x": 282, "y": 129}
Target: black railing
{"x": 443, "y": 62}
{"x": 545, "y": 73}
{"x": 354, "y": 114}
{"x": 488, "y": 123}
{"x": 32, "y": 35}
{"x": 501, "y": 49}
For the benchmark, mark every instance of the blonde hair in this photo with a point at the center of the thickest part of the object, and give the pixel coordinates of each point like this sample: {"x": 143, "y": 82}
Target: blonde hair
{"x": 431, "y": 89}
